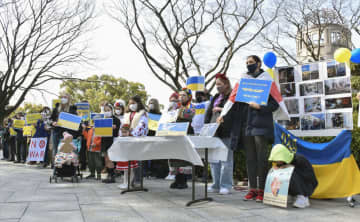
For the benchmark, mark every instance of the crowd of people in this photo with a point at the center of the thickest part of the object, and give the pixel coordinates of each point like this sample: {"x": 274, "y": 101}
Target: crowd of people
{"x": 247, "y": 126}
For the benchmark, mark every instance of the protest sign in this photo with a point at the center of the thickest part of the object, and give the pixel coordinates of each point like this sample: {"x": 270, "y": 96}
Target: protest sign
{"x": 19, "y": 124}
{"x": 153, "y": 121}
{"x": 37, "y": 149}
{"x": 32, "y": 118}
{"x": 69, "y": 121}
{"x": 172, "y": 129}
{"x": 209, "y": 129}
{"x": 253, "y": 90}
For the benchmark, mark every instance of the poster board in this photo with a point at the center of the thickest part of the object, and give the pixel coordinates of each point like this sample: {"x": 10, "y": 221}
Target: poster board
{"x": 172, "y": 129}
{"x": 37, "y": 149}
{"x": 318, "y": 98}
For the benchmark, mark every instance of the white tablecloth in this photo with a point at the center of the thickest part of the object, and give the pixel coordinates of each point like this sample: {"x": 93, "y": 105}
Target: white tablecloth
{"x": 171, "y": 147}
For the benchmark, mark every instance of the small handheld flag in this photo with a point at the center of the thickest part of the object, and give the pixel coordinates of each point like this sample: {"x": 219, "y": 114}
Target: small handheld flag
{"x": 103, "y": 127}
{"x": 153, "y": 121}
{"x": 196, "y": 83}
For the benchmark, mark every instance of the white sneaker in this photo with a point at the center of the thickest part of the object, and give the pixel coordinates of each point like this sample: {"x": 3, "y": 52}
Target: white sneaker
{"x": 122, "y": 186}
{"x": 300, "y": 202}
{"x": 210, "y": 189}
{"x": 307, "y": 202}
{"x": 170, "y": 177}
{"x": 224, "y": 191}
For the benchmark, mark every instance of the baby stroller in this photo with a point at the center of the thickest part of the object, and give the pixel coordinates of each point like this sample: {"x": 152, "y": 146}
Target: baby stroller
{"x": 66, "y": 160}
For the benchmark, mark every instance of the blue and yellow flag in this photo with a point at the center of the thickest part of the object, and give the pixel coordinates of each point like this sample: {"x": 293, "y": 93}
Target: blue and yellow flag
{"x": 83, "y": 110}
{"x": 69, "y": 121}
{"x": 335, "y": 167}
{"x": 153, "y": 121}
{"x": 196, "y": 83}
{"x": 172, "y": 129}
{"x": 200, "y": 108}
{"x": 103, "y": 127}
{"x": 96, "y": 116}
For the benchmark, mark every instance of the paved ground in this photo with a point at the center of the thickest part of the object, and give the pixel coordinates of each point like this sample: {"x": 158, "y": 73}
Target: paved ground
{"x": 26, "y": 195}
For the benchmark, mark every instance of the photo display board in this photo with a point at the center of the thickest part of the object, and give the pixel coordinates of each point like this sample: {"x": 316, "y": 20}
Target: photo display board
{"x": 318, "y": 98}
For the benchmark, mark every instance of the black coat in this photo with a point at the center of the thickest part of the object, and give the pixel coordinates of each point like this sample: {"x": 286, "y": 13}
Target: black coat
{"x": 247, "y": 121}
{"x": 303, "y": 180}
{"x": 225, "y": 128}
{"x": 106, "y": 142}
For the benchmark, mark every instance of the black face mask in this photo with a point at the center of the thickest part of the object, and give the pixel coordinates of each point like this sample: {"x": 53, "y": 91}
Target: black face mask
{"x": 252, "y": 68}
{"x": 199, "y": 99}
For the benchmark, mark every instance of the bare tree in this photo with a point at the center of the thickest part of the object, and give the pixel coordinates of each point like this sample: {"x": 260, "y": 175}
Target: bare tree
{"x": 297, "y": 21}
{"x": 184, "y": 37}
{"x": 37, "y": 37}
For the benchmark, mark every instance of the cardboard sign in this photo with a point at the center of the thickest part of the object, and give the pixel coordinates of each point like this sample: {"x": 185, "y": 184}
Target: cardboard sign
{"x": 32, "y": 118}
{"x": 37, "y": 149}
{"x": 277, "y": 186}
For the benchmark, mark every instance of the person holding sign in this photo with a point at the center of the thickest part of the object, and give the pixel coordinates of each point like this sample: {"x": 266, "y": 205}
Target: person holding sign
{"x": 253, "y": 126}
{"x": 303, "y": 181}
{"x": 222, "y": 171}
{"x": 21, "y": 143}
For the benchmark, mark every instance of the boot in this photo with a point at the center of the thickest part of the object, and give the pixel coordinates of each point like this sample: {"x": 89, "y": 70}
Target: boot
{"x": 110, "y": 177}
{"x": 98, "y": 175}
{"x": 182, "y": 181}
{"x": 174, "y": 184}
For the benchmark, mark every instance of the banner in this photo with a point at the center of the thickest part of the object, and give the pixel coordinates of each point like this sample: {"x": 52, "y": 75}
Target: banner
{"x": 19, "y": 124}
{"x": 54, "y": 101}
{"x": 209, "y": 129}
{"x": 69, "y": 121}
{"x": 318, "y": 98}
{"x": 32, "y": 118}
{"x": 277, "y": 186}
{"x": 103, "y": 127}
{"x": 172, "y": 129}
{"x": 253, "y": 90}
{"x": 37, "y": 149}
{"x": 153, "y": 121}
{"x": 196, "y": 83}
{"x": 335, "y": 167}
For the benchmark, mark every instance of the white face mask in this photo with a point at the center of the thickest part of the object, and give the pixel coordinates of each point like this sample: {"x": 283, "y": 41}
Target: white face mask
{"x": 22, "y": 118}
{"x": 64, "y": 100}
{"x": 102, "y": 109}
{"x": 133, "y": 107}
{"x": 107, "y": 114}
{"x": 151, "y": 106}
{"x": 117, "y": 112}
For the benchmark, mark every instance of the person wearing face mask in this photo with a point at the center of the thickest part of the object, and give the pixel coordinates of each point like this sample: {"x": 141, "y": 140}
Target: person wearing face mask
{"x": 303, "y": 181}
{"x": 253, "y": 129}
{"x": 57, "y": 132}
{"x": 43, "y": 130}
{"x": 221, "y": 171}
{"x": 106, "y": 143}
{"x": 137, "y": 119}
{"x": 21, "y": 145}
{"x": 119, "y": 109}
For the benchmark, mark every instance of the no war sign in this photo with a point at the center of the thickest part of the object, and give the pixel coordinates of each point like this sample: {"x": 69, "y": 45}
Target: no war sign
{"x": 37, "y": 149}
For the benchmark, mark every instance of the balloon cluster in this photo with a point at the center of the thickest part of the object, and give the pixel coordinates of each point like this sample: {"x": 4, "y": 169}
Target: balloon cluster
{"x": 270, "y": 61}
{"x": 344, "y": 55}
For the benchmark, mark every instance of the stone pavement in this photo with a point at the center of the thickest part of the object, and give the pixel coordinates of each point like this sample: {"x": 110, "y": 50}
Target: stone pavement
{"x": 27, "y": 196}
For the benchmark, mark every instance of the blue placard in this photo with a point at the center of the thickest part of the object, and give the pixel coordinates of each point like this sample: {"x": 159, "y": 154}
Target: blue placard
{"x": 253, "y": 90}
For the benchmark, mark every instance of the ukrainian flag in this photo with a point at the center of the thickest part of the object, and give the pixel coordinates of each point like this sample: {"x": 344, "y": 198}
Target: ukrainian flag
{"x": 172, "y": 129}
{"x": 153, "y": 121}
{"x": 103, "y": 127}
{"x": 69, "y": 121}
{"x": 96, "y": 116}
{"x": 82, "y": 106}
{"x": 200, "y": 108}
{"x": 196, "y": 83}
{"x": 335, "y": 168}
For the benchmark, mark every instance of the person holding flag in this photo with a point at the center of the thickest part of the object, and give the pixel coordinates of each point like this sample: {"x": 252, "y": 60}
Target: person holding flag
{"x": 253, "y": 126}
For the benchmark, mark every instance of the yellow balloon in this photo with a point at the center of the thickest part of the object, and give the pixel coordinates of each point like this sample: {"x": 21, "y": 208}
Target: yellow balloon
{"x": 342, "y": 55}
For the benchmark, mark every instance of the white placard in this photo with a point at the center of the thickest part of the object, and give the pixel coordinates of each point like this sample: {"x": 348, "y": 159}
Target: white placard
{"x": 37, "y": 149}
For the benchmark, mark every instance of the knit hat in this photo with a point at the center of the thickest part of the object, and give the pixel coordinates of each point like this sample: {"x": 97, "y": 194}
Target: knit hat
{"x": 280, "y": 153}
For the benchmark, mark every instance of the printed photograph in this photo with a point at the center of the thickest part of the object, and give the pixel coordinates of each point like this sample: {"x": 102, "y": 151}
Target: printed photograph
{"x": 312, "y": 105}
{"x": 310, "y": 89}
{"x": 292, "y": 124}
{"x": 338, "y": 103}
{"x": 286, "y": 74}
{"x": 292, "y": 106}
{"x": 313, "y": 122}
{"x": 335, "y": 70}
{"x": 339, "y": 120}
{"x": 310, "y": 71}
{"x": 288, "y": 89}
{"x": 337, "y": 86}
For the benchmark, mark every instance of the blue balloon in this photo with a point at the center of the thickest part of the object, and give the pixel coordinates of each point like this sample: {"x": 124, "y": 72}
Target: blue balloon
{"x": 355, "y": 55}
{"x": 269, "y": 59}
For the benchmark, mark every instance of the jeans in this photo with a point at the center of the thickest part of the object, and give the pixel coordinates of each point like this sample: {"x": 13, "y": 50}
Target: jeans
{"x": 222, "y": 171}
{"x": 256, "y": 160}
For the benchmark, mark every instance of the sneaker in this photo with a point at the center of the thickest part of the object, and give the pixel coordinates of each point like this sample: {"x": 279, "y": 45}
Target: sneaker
{"x": 260, "y": 196}
{"x": 210, "y": 189}
{"x": 170, "y": 177}
{"x": 307, "y": 202}
{"x": 300, "y": 202}
{"x": 122, "y": 186}
{"x": 251, "y": 195}
{"x": 224, "y": 191}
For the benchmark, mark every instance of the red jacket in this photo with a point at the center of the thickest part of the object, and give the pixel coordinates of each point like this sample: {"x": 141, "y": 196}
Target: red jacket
{"x": 97, "y": 141}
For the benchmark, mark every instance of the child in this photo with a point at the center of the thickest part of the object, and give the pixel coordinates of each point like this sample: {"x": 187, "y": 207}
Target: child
{"x": 93, "y": 144}
{"x": 123, "y": 166}
{"x": 66, "y": 154}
